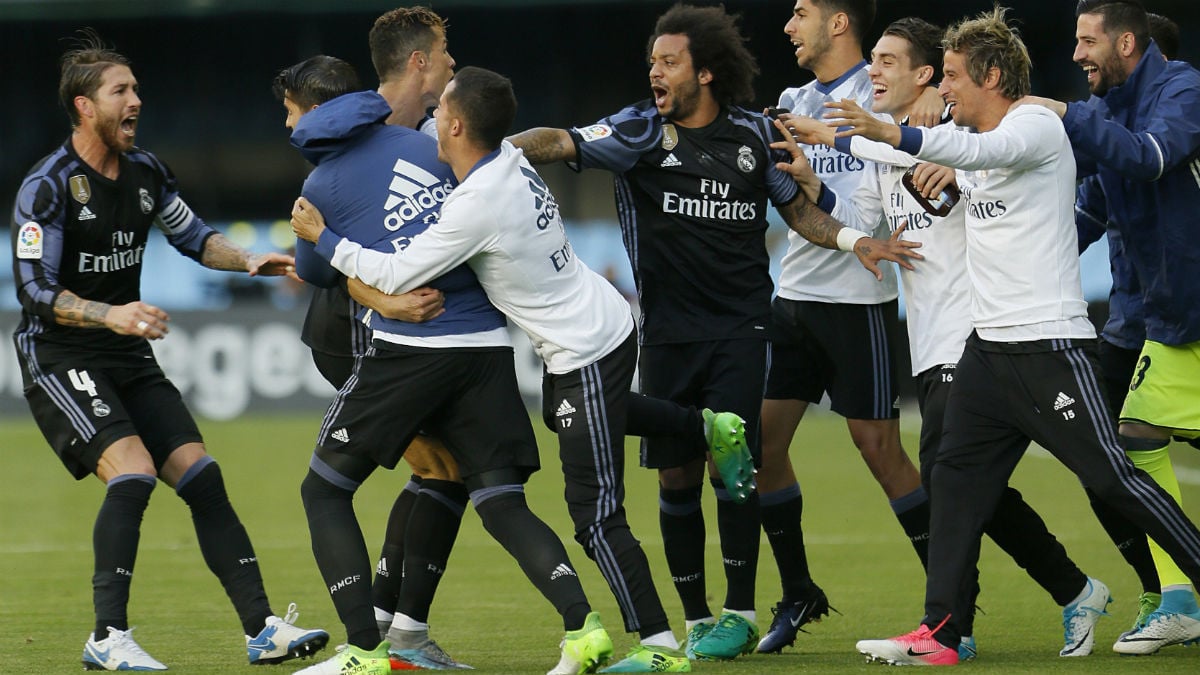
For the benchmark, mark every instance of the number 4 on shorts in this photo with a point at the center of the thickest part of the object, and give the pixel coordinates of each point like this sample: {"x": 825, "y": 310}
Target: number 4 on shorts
{"x": 82, "y": 381}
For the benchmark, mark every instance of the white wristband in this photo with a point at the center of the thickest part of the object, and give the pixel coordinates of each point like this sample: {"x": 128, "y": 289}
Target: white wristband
{"x": 847, "y": 237}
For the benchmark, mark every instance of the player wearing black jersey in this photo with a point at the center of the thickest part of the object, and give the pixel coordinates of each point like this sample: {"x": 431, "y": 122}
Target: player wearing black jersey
{"x": 81, "y": 222}
{"x": 693, "y": 176}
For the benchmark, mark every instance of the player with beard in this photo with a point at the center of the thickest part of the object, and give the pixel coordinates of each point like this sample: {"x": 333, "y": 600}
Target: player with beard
{"x": 903, "y": 67}
{"x": 693, "y": 176}
{"x": 80, "y": 225}
{"x": 1140, "y": 135}
{"x": 1029, "y": 370}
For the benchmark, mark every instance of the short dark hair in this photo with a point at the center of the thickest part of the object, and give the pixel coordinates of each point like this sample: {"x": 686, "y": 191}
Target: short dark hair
{"x": 924, "y": 40}
{"x": 860, "y": 12}
{"x": 715, "y": 43}
{"x": 1165, "y": 33}
{"x": 315, "y": 80}
{"x": 1120, "y": 16}
{"x": 82, "y": 70}
{"x": 399, "y": 33}
{"x": 486, "y": 102}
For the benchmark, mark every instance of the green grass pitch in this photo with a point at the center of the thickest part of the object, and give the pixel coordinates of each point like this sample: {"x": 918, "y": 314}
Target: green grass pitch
{"x": 486, "y": 613}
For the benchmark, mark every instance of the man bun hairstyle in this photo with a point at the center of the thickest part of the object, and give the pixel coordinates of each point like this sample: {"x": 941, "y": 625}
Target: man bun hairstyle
{"x": 82, "y": 70}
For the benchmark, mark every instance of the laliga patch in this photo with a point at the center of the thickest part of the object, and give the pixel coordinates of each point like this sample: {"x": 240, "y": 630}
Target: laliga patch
{"x": 81, "y": 190}
{"x": 670, "y": 137}
{"x": 29, "y": 241}
{"x": 595, "y": 132}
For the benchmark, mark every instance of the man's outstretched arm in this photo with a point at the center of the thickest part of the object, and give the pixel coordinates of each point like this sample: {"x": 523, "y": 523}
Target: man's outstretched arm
{"x": 543, "y": 145}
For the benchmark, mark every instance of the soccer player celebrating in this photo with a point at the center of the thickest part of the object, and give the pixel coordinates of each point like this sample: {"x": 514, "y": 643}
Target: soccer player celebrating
{"x": 82, "y": 218}
{"x": 938, "y": 294}
{"x": 1028, "y": 371}
{"x": 1139, "y": 135}
{"x": 694, "y": 173}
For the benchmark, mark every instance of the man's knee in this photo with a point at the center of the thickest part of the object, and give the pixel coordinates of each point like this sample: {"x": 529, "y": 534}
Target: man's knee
{"x": 683, "y": 477}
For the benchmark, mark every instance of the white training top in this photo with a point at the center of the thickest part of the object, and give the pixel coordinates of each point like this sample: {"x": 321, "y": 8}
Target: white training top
{"x": 937, "y": 293}
{"x": 811, "y": 272}
{"x": 1018, "y": 181}
{"x": 503, "y": 222}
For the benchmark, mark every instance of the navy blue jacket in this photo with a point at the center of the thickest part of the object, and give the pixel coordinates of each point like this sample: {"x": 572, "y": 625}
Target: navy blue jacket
{"x": 380, "y": 186}
{"x": 1143, "y": 141}
{"x": 1126, "y": 327}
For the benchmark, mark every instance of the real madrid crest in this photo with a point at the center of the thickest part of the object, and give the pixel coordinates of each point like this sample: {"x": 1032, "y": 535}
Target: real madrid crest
{"x": 670, "y": 137}
{"x": 745, "y": 159}
{"x": 81, "y": 190}
{"x": 146, "y": 200}
{"x": 99, "y": 407}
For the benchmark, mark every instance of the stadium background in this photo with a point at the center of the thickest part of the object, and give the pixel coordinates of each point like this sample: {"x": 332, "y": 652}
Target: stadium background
{"x": 205, "y": 68}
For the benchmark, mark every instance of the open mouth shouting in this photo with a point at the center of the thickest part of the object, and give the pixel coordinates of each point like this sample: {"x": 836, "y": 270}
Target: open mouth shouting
{"x": 128, "y": 126}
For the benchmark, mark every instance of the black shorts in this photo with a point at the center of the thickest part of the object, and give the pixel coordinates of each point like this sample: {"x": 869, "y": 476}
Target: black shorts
{"x": 725, "y": 376}
{"x": 468, "y": 398}
{"x": 335, "y": 368}
{"x": 847, "y": 351}
{"x": 83, "y": 409}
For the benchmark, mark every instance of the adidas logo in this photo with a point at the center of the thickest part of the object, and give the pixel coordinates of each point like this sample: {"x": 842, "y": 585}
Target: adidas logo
{"x": 413, "y": 191}
{"x": 671, "y": 160}
{"x": 1063, "y": 401}
{"x": 564, "y": 409}
{"x": 341, "y": 435}
{"x": 86, "y": 214}
{"x": 562, "y": 571}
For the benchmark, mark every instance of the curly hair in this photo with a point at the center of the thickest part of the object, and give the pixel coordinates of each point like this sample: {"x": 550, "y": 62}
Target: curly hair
{"x": 715, "y": 43}
{"x": 987, "y": 42}
{"x": 83, "y": 70}
{"x": 399, "y": 33}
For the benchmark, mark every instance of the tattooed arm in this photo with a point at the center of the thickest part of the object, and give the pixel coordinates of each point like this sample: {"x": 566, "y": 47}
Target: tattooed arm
{"x": 543, "y": 145}
{"x": 135, "y": 318}
{"x": 820, "y": 228}
{"x": 222, "y": 254}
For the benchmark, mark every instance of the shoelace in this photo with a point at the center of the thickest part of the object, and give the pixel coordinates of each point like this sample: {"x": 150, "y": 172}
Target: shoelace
{"x": 726, "y": 627}
{"x": 1079, "y": 613}
{"x": 291, "y": 614}
{"x": 124, "y": 638}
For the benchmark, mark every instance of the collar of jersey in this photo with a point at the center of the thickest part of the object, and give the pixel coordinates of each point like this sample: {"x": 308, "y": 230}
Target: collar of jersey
{"x": 826, "y": 87}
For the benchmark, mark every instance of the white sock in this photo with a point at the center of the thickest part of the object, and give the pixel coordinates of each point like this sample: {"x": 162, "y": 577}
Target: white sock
{"x": 663, "y": 639}
{"x": 406, "y": 622}
{"x": 747, "y": 614}
{"x": 692, "y": 624}
{"x": 383, "y": 615}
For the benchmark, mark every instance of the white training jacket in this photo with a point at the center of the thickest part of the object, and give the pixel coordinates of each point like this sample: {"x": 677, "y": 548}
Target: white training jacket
{"x": 1018, "y": 182}
{"x": 937, "y": 292}
{"x": 810, "y": 272}
{"x": 503, "y": 222}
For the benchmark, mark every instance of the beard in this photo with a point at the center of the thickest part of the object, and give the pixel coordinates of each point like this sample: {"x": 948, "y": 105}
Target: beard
{"x": 109, "y": 131}
{"x": 1108, "y": 75}
{"x": 685, "y": 98}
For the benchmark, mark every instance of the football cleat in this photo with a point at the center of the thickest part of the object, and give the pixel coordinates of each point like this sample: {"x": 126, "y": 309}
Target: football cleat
{"x": 1147, "y": 603}
{"x": 417, "y": 648}
{"x": 1162, "y": 629}
{"x": 695, "y": 634}
{"x": 967, "y": 651}
{"x": 1079, "y": 619}
{"x": 118, "y": 651}
{"x": 280, "y": 640}
{"x": 732, "y": 636}
{"x": 726, "y": 436}
{"x": 351, "y": 660}
{"x": 918, "y": 648}
{"x": 791, "y": 617}
{"x": 651, "y": 659}
{"x": 584, "y": 650}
